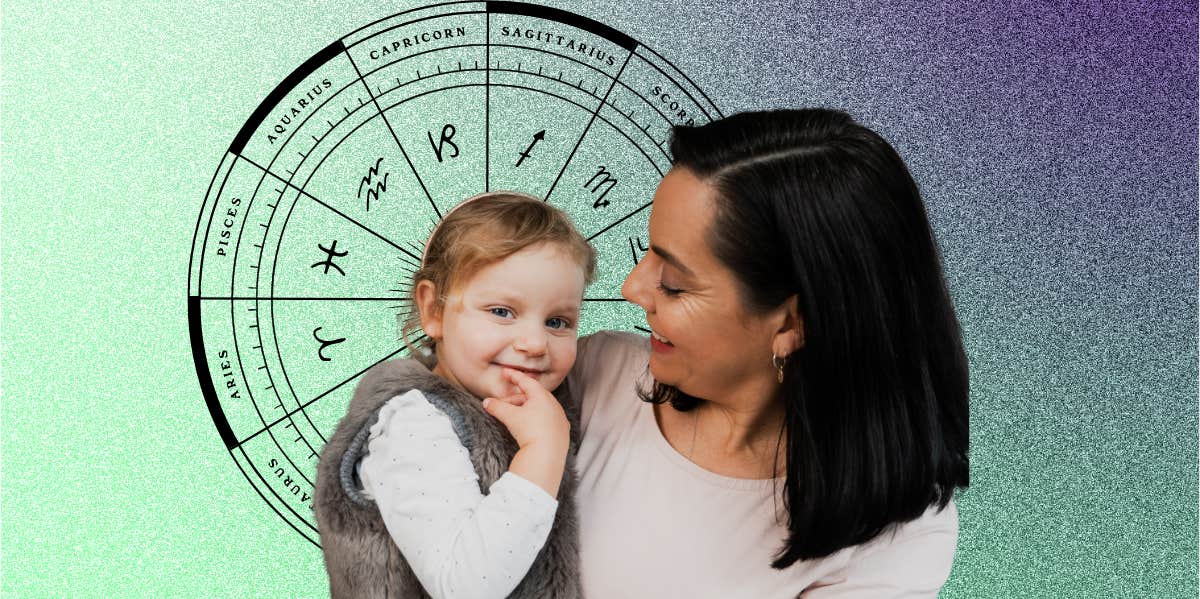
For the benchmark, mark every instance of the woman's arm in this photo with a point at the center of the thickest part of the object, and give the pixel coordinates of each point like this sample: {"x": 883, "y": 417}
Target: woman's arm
{"x": 459, "y": 542}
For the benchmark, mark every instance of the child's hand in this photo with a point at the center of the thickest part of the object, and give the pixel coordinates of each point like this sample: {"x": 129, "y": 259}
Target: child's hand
{"x": 536, "y": 420}
{"x": 533, "y": 415}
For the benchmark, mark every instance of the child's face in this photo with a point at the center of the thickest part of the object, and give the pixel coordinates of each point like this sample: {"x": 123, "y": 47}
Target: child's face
{"x": 521, "y": 312}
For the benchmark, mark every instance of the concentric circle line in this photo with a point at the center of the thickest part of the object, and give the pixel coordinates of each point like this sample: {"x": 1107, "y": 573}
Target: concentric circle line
{"x": 332, "y": 209}
{"x": 276, "y": 494}
{"x": 200, "y": 219}
{"x": 327, "y": 392}
{"x": 394, "y": 136}
{"x": 237, "y": 349}
{"x": 619, "y": 221}
{"x": 588, "y": 127}
{"x": 252, "y": 251}
{"x": 568, "y": 57}
{"x": 284, "y": 298}
{"x": 568, "y": 100}
{"x": 397, "y": 26}
{"x": 250, "y": 392}
{"x": 411, "y": 10}
{"x": 698, "y": 104}
{"x": 211, "y": 214}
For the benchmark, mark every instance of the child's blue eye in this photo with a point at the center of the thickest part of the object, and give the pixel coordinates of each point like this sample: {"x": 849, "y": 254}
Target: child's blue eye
{"x": 501, "y": 312}
{"x": 558, "y": 323}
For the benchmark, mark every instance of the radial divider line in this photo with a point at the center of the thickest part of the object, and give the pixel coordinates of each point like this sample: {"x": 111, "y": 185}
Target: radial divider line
{"x": 619, "y": 221}
{"x": 394, "y": 136}
{"x": 589, "y": 126}
{"x": 335, "y": 210}
{"x": 487, "y": 106}
{"x": 280, "y": 299}
{"x": 304, "y": 405}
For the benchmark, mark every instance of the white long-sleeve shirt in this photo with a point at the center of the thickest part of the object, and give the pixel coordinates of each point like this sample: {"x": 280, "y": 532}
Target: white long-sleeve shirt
{"x": 459, "y": 542}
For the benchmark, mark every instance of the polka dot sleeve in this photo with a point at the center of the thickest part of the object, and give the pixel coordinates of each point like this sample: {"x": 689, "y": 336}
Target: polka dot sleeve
{"x": 459, "y": 542}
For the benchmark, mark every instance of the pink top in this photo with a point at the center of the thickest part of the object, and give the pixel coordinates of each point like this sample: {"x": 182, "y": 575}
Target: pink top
{"x": 654, "y": 524}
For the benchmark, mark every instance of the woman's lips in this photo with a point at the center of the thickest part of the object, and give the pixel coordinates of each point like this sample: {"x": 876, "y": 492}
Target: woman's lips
{"x": 659, "y": 346}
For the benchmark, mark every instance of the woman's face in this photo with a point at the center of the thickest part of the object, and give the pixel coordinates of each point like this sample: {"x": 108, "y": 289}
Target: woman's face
{"x": 703, "y": 341}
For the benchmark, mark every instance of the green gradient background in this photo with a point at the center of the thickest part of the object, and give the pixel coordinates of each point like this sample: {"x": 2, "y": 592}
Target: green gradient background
{"x": 115, "y": 482}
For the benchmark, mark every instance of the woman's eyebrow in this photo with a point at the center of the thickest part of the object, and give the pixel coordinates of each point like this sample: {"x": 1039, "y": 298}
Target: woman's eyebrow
{"x": 671, "y": 259}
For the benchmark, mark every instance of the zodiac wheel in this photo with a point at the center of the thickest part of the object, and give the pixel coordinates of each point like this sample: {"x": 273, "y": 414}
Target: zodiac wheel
{"x": 317, "y": 215}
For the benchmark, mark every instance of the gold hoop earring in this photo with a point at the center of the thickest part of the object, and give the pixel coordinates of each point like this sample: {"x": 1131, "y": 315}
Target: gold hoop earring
{"x": 778, "y": 363}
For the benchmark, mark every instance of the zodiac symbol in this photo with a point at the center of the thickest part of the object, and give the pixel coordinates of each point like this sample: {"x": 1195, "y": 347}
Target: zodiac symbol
{"x": 447, "y": 138}
{"x": 331, "y": 253}
{"x": 539, "y": 136}
{"x": 373, "y": 188}
{"x": 325, "y": 343}
{"x": 637, "y": 249}
{"x": 604, "y": 177}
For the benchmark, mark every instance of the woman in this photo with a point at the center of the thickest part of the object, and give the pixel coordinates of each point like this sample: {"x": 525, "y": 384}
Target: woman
{"x": 806, "y": 421}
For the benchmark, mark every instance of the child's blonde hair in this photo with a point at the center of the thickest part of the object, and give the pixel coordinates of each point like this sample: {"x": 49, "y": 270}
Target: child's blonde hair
{"x": 485, "y": 229}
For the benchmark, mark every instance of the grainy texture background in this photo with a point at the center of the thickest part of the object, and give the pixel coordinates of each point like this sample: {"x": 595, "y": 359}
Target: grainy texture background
{"x": 1055, "y": 146}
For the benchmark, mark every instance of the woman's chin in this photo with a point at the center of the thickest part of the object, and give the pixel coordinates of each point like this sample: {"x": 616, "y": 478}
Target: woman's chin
{"x": 662, "y": 373}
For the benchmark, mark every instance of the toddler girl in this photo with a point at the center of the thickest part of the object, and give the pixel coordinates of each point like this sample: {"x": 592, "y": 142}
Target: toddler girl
{"x": 420, "y": 493}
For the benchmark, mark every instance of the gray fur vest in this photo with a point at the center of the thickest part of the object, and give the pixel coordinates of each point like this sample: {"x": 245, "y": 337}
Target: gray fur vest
{"x": 360, "y": 557}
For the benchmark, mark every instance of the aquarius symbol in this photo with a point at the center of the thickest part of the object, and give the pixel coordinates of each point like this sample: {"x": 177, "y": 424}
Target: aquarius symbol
{"x": 600, "y": 201}
{"x": 637, "y": 250}
{"x": 447, "y": 138}
{"x": 325, "y": 343}
{"x": 373, "y": 188}
{"x": 331, "y": 253}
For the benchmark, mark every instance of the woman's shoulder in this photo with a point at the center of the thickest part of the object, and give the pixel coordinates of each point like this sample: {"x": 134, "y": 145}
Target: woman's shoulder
{"x": 615, "y": 341}
{"x": 609, "y": 366}
{"x": 605, "y": 355}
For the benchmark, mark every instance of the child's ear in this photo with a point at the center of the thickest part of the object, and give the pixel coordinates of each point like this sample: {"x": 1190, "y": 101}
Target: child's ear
{"x": 428, "y": 309}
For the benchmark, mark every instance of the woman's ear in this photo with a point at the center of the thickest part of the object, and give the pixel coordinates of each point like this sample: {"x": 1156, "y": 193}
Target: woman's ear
{"x": 789, "y": 336}
{"x": 430, "y": 313}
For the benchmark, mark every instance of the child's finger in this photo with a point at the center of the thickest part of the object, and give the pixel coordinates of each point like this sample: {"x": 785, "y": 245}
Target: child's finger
{"x": 516, "y": 399}
{"x": 502, "y": 411}
{"x": 524, "y": 382}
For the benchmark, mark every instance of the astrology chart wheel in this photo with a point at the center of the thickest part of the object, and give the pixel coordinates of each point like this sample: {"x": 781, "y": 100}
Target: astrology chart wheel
{"x": 317, "y": 215}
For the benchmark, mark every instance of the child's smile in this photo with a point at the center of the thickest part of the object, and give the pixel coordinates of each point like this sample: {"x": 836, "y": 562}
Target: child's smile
{"x": 521, "y": 312}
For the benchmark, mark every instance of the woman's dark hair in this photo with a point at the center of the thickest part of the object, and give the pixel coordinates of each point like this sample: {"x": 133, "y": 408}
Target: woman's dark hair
{"x": 812, "y": 204}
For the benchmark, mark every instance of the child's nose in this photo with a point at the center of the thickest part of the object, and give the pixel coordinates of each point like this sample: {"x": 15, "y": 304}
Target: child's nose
{"x": 531, "y": 340}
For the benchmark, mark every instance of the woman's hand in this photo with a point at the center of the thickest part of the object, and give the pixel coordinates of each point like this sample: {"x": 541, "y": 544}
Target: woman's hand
{"x": 537, "y": 421}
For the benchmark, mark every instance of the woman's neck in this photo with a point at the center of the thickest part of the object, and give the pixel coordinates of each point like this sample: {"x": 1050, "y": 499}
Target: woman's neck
{"x": 732, "y": 430}
{"x": 736, "y": 439}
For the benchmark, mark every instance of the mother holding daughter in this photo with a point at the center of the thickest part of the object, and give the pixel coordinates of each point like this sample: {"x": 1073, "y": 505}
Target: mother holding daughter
{"x": 797, "y": 423}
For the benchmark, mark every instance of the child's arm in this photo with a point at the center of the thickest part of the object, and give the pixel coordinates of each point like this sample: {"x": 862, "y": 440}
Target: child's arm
{"x": 459, "y": 542}
{"x": 538, "y": 424}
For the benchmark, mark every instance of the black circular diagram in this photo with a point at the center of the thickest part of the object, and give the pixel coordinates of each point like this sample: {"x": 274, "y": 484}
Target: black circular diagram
{"x": 317, "y": 215}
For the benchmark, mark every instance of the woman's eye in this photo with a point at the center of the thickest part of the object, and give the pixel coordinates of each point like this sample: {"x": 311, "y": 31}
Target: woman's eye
{"x": 668, "y": 290}
{"x": 558, "y": 323}
{"x": 501, "y": 312}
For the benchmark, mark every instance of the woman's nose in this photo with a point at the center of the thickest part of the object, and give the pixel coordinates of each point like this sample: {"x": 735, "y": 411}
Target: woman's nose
{"x": 636, "y": 287}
